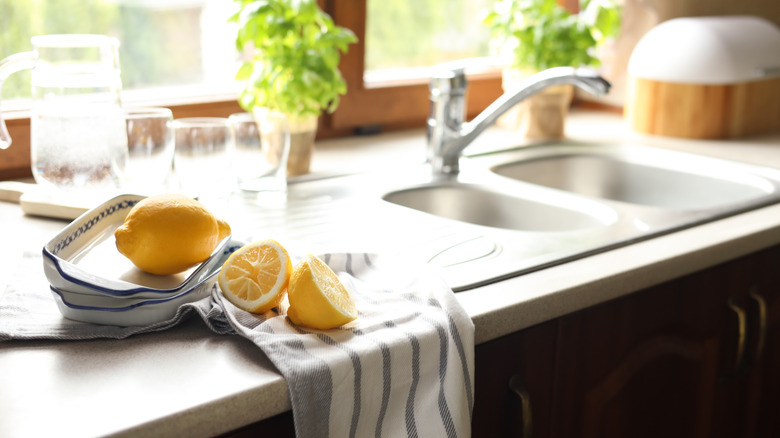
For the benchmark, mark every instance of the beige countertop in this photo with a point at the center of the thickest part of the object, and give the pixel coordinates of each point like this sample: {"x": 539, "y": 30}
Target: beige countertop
{"x": 189, "y": 381}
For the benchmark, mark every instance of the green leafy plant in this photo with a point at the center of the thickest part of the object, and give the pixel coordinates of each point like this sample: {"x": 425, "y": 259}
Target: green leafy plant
{"x": 541, "y": 34}
{"x": 295, "y": 51}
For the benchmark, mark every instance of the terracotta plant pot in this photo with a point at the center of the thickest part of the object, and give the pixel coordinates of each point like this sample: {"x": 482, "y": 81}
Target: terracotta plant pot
{"x": 541, "y": 116}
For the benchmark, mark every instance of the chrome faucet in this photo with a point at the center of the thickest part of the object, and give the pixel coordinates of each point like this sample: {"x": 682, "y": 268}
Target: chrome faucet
{"x": 449, "y": 133}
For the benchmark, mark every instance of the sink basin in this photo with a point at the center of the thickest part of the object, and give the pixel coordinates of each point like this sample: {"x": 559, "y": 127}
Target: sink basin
{"x": 481, "y": 205}
{"x": 663, "y": 179}
{"x": 516, "y": 211}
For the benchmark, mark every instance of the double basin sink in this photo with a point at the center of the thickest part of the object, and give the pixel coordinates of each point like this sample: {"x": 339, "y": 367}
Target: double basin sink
{"x": 513, "y": 212}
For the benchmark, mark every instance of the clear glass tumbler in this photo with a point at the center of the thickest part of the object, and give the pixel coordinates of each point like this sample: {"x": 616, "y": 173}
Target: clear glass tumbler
{"x": 150, "y": 150}
{"x": 202, "y": 156}
{"x": 262, "y": 149}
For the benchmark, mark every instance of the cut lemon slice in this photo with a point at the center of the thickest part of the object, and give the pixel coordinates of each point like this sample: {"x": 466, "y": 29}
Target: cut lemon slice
{"x": 255, "y": 277}
{"x": 318, "y": 299}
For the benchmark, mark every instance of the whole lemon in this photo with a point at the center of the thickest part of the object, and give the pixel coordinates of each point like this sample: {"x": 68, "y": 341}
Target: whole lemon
{"x": 168, "y": 234}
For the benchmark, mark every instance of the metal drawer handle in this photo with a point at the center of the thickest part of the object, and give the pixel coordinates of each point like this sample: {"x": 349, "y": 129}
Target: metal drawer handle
{"x": 516, "y": 386}
{"x": 761, "y": 322}
{"x": 742, "y": 329}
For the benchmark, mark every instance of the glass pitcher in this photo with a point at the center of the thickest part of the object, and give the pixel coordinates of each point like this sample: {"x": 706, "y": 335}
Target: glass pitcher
{"x": 78, "y": 138}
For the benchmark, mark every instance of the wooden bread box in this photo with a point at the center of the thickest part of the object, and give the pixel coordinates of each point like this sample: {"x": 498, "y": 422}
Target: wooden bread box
{"x": 706, "y": 78}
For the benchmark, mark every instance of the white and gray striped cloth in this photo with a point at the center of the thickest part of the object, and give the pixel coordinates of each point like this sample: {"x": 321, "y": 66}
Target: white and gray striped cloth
{"x": 405, "y": 367}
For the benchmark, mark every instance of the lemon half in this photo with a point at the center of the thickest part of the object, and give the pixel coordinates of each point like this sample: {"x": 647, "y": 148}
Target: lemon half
{"x": 318, "y": 299}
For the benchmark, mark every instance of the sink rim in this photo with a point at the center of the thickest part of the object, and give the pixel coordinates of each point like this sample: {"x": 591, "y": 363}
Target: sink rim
{"x": 402, "y": 231}
{"x": 600, "y": 214}
{"x": 763, "y": 179}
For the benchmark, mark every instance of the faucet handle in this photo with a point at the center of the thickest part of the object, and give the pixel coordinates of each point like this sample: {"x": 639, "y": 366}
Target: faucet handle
{"x": 451, "y": 75}
{"x": 447, "y": 111}
{"x": 470, "y": 65}
{"x": 448, "y": 81}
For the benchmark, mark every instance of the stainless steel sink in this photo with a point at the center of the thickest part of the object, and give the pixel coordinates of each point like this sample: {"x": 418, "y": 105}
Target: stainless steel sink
{"x": 483, "y": 205}
{"x": 640, "y": 176}
{"x": 513, "y": 212}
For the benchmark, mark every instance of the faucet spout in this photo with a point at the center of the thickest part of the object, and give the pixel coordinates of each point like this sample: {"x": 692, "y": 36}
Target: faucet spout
{"x": 448, "y": 134}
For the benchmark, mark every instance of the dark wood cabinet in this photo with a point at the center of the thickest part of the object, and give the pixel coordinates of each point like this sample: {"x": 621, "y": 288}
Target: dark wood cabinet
{"x": 695, "y": 357}
{"x": 763, "y": 359}
{"x": 506, "y": 373}
{"x": 650, "y": 364}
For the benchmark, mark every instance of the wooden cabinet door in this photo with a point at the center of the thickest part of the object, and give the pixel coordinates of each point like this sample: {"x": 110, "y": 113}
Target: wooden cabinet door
{"x": 514, "y": 384}
{"x": 763, "y": 358}
{"x": 654, "y": 363}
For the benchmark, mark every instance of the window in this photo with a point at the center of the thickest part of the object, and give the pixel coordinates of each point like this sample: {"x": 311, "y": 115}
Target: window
{"x": 170, "y": 48}
{"x": 390, "y": 103}
{"x": 168, "y": 43}
{"x": 173, "y": 53}
{"x": 405, "y": 37}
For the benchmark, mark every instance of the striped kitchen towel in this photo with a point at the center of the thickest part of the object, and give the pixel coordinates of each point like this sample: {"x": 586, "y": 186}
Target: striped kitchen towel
{"x": 405, "y": 367}
{"x": 28, "y": 311}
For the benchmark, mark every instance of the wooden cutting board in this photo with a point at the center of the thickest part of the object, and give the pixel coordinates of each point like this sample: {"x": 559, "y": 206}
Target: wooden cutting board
{"x": 35, "y": 203}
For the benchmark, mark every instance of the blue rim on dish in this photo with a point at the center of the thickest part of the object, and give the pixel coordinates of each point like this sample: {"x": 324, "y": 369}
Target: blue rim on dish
{"x": 151, "y": 301}
{"x": 87, "y": 221}
{"x": 228, "y": 247}
{"x": 229, "y": 250}
{"x": 109, "y": 210}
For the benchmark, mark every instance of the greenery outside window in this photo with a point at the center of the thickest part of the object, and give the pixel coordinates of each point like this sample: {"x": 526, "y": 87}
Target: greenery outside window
{"x": 167, "y": 47}
{"x": 405, "y": 37}
{"x": 399, "y": 103}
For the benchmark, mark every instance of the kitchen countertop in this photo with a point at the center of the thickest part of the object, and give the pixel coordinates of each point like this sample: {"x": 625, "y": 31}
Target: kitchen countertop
{"x": 189, "y": 381}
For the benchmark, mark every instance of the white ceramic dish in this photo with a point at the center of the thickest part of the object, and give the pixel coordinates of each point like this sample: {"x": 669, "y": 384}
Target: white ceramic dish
{"x": 120, "y": 311}
{"x": 142, "y": 313}
{"x": 109, "y": 301}
{"x": 82, "y": 258}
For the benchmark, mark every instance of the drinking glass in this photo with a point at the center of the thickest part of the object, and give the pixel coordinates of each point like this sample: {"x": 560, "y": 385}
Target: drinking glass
{"x": 150, "y": 150}
{"x": 202, "y": 156}
{"x": 262, "y": 148}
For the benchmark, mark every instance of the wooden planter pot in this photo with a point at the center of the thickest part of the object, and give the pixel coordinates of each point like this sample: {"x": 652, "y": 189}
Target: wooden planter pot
{"x": 541, "y": 116}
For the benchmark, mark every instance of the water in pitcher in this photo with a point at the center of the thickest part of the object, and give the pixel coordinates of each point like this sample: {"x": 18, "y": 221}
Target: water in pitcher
{"x": 78, "y": 145}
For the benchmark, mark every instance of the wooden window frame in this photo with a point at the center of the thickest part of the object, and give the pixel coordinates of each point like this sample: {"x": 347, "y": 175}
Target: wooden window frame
{"x": 389, "y": 105}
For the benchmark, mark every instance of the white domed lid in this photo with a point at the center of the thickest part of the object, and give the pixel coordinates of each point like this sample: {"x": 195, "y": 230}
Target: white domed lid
{"x": 708, "y": 50}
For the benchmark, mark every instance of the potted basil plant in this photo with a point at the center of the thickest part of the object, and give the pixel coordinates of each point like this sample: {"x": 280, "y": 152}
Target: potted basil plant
{"x": 534, "y": 35}
{"x": 293, "y": 50}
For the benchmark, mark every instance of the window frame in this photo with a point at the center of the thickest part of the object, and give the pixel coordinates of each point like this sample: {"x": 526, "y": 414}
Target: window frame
{"x": 389, "y": 105}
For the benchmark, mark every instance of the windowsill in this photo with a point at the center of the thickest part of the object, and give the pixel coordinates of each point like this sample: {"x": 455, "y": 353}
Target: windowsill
{"x": 171, "y": 97}
{"x": 15, "y": 161}
{"x": 475, "y": 69}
